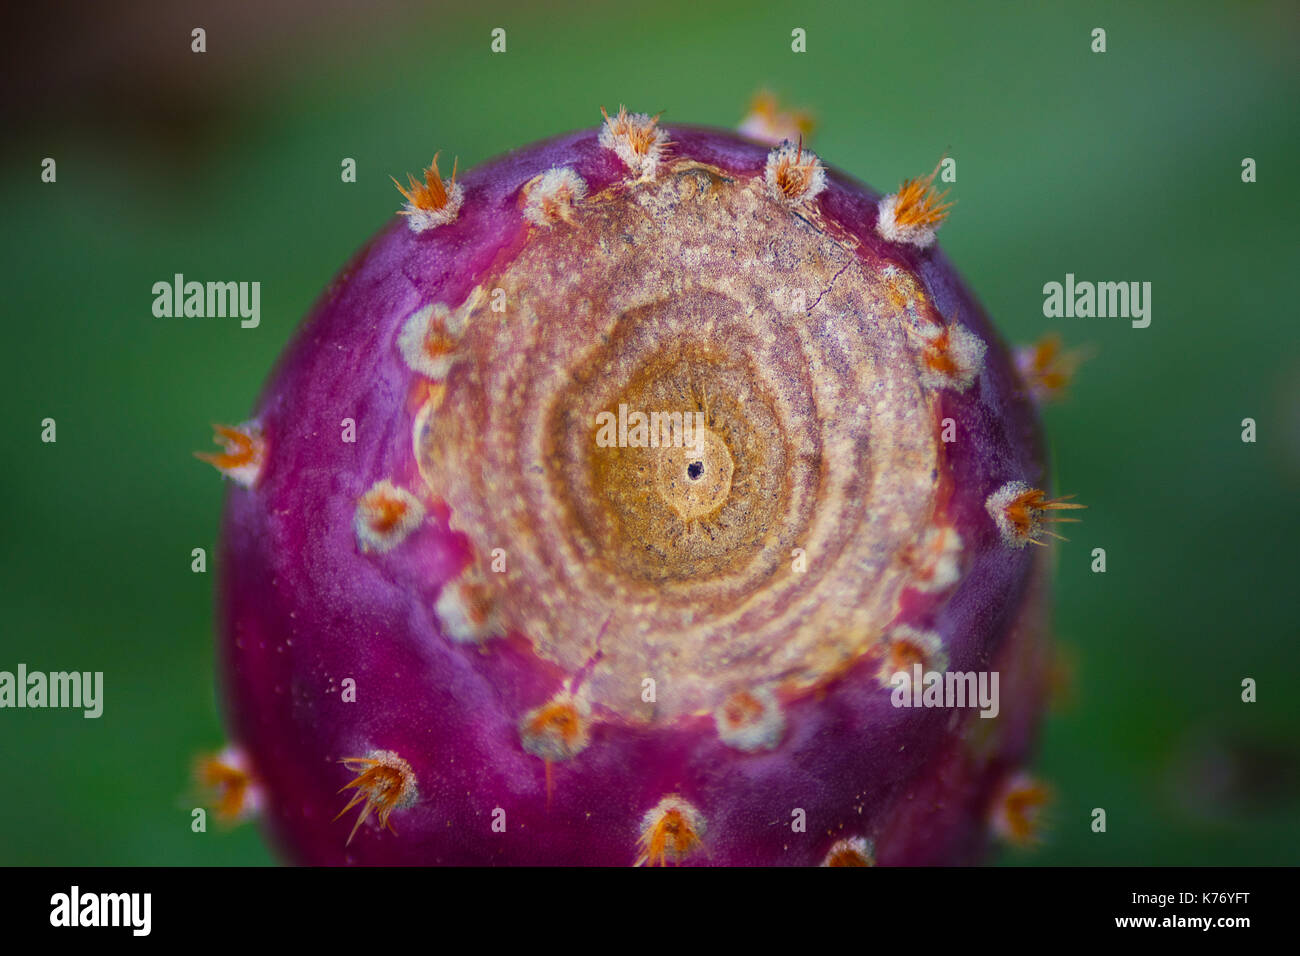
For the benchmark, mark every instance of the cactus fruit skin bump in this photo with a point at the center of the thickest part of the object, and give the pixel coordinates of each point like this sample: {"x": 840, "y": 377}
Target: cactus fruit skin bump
{"x": 491, "y": 637}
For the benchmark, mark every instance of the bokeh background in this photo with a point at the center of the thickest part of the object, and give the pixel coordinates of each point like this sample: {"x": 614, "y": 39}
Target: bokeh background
{"x": 1116, "y": 166}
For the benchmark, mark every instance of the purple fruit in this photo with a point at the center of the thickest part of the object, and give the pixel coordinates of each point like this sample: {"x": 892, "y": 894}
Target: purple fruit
{"x": 597, "y": 505}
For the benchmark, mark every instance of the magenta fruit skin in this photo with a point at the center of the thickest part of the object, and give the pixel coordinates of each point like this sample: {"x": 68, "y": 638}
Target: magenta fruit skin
{"x": 302, "y": 607}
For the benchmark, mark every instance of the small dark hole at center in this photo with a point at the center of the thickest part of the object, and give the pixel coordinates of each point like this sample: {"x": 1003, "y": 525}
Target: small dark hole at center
{"x": 694, "y": 470}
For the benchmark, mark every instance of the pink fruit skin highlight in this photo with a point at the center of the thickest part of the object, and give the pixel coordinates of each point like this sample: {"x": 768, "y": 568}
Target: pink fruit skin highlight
{"x": 305, "y": 604}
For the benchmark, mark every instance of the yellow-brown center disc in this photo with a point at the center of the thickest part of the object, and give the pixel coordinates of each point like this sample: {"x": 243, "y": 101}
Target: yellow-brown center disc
{"x": 792, "y": 420}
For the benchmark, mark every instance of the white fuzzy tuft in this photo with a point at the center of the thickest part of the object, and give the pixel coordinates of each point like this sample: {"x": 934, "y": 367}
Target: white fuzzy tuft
{"x": 997, "y": 504}
{"x": 938, "y": 565}
{"x": 887, "y": 225}
{"x": 244, "y": 452}
{"x": 636, "y": 139}
{"x": 547, "y": 738}
{"x": 427, "y": 339}
{"x": 739, "y": 727}
{"x": 961, "y": 348}
{"x": 671, "y": 851}
{"x": 553, "y": 195}
{"x": 794, "y": 175}
{"x": 421, "y": 219}
{"x": 859, "y": 849}
{"x": 903, "y": 644}
{"x": 466, "y": 611}
{"x": 385, "y": 516}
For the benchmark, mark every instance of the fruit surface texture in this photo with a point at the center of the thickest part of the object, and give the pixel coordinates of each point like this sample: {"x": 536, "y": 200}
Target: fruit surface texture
{"x": 596, "y": 509}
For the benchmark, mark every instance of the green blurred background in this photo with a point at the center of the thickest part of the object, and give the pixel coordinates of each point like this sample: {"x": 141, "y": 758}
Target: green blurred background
{"x": 1116, "y": 166}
